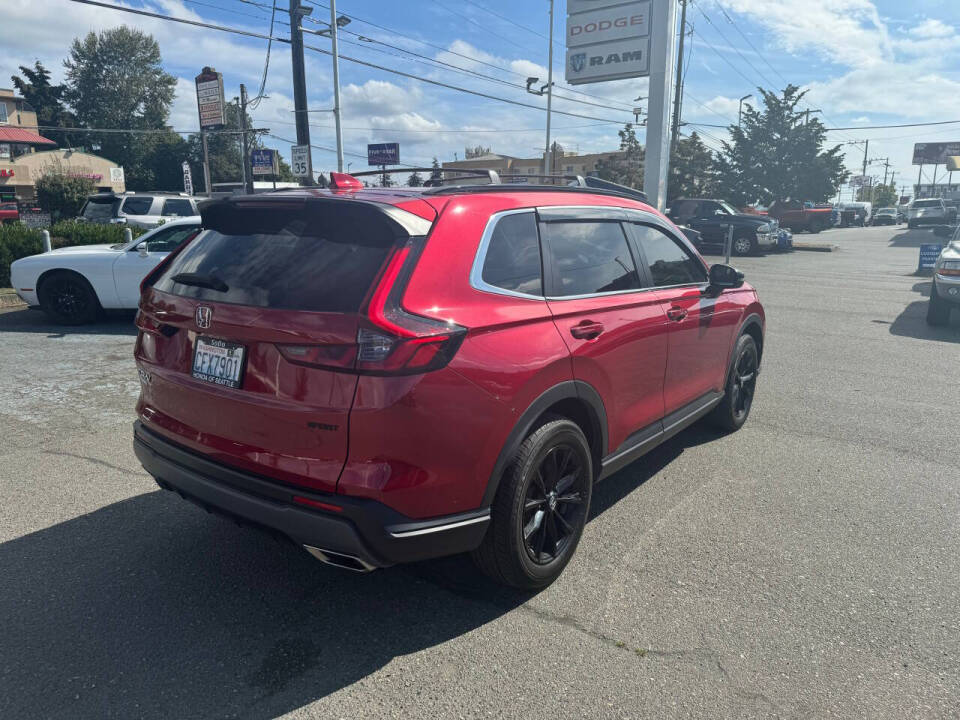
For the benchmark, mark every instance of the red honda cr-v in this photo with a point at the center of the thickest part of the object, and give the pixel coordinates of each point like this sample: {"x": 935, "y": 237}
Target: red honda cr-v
{"x": 392, "y": 375}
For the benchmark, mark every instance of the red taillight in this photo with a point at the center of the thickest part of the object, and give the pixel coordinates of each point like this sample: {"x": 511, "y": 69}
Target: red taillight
{"x": 155, "y": 273}
{"x": 335, "y": 357}
{"x": 316, "y": 504}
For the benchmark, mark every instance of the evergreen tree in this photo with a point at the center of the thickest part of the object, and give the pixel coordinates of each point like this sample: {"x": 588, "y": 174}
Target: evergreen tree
{"x": 415, "y": 179}
{"x": 691, "y": 169}
{"x": 436, "y": 175}
{"x": 625, "y": 168}
{"x": 47, "y": 100}
{"x": 776, "y": 154}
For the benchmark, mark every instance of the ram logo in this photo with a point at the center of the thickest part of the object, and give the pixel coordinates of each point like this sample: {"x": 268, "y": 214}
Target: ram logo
{"x": 578, "y": 61}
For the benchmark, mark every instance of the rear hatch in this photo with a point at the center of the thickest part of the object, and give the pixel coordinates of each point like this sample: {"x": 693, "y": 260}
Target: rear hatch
{"x": 250, "y": 342}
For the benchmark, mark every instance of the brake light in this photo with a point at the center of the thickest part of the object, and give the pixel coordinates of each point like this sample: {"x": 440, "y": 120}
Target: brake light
{"x": 335, "y": 357}
{"x": 152, "y": 276}
{"x": 343, "y": 181}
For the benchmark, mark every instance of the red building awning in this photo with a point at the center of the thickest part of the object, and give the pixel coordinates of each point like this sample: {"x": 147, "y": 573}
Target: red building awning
{"x": 24, "y": 137}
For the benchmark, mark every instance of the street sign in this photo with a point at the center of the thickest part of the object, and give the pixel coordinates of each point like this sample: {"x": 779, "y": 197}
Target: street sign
{"x": 210, "y": 102}
{"x": 383, "y": 154}
{"x": 300, "y": 160}
{"x": 929, "y": 252}
{"x": 934, "y": 153}
{"x": 116, "y": 175}
{"x": 264, "y": 161}
{"x": 607, "y": 41}
{"x": 861, "y": 181}
{"x": 187, "y": 178}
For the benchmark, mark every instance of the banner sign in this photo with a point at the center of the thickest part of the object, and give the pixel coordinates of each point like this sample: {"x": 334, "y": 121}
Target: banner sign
{"x": 934, "y": 153}
{"x": 264, "y": 161}
{"x": 383, "y": 154}
{"x": 210, "y": 99}
{"x": 187, "y": 178}
{"x": 929, "y": 252}
{"x": 607, "y": 40}
{"x": 35, "y": 219}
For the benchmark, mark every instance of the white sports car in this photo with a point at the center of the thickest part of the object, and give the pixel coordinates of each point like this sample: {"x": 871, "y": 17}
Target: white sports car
{"x": 72, "y": 284}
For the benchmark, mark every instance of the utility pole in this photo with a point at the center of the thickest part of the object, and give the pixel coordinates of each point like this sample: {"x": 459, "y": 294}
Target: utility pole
{"x": 678, "y": 94}
{"x": 866, "y": 147}
{"x": 206, "y": 162}
{"x": 334, "y": 27}
{"x": 547, "y": 164}
{"x": 247, "y": 173}
{"x": 919, "y": 180}
{"x": 299, "y": 79}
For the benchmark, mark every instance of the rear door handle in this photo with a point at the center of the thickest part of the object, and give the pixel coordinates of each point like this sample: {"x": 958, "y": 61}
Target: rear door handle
{"x": 586, "y": 330}
{"x": 676, "y": 313}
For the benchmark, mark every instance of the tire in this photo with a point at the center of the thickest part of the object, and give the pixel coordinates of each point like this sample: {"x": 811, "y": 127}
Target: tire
{"x": 734, "y": 409}
{"x": 68, "y": 299}
{"x": 744, "y": 245}
{"x": 530, "y": 513}
{"x": 815, "y": 227}
{"x": 938, "y": 310}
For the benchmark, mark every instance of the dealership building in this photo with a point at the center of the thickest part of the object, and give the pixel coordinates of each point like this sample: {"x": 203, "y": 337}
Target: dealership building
{"x": 26, "y": 156}
{"x": 518, "y": 169}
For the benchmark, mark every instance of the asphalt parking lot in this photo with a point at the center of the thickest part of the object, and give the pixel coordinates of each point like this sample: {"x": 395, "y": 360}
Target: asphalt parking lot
{"x": 806, "y": 566}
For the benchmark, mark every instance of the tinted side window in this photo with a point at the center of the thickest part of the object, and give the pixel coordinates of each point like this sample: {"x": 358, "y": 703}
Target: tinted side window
{"x": 181, "y": 208}
{"x": 170, "y": 239}
{"x": 589, "y": 257}
{"x": 669, "y": 262}
{"x": 513, "y": 255}
{"x": 137, "y": 205}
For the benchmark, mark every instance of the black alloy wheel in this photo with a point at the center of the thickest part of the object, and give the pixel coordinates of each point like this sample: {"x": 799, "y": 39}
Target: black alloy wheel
{"x": 540, "y": 507}
{"x": 733, "y": 410}
{"x": 553, "y": 509}
{"x": 68, "y": 299}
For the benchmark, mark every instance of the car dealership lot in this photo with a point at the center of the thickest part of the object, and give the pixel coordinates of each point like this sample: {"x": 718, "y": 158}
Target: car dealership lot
{"x": 805, "y": 566}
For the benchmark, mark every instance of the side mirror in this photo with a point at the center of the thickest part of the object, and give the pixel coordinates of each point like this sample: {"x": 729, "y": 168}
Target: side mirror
{"x": 142, "y": 250}
{"x": 723, "y": 277}
{"x": 943, "y": 231}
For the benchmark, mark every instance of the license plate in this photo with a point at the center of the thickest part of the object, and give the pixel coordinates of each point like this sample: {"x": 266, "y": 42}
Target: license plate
{"x": 218, "y": 361}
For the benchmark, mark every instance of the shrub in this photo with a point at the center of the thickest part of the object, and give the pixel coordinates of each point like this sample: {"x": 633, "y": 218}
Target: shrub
{"x": 16, "y": 241}
{"x": 63, "y": 195}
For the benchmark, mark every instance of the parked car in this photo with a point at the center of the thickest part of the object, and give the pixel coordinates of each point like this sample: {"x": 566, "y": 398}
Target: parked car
{"x": 886, "y": 216}
{"x": 9, "y": 212}
{"x": 144, "y": 210}
{"x": 386, "y": 375}
{"x": 73, "y": 284}
{"x": 929, "y": 211}
{"x": 795, "y": 215}
{"x": 945, "y": 290}
{"x": 711, "y": 218}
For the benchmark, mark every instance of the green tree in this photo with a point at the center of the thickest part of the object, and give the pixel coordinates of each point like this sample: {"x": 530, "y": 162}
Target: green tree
{"x": 435, "y": 174}
{"x": 415, "y": 179}
{"x": 63, "y": 195}
{"x": 778, "y": 153}
{"x": 47, "y": 99}
{"x": 115, "y": 80}
{"x": 879, "y": 195}
{"x": 626, "y": 167}
{"x": 691, "y": 169}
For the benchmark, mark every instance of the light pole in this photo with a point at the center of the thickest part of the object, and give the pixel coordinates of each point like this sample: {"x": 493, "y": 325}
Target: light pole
{"x": 548, "y": 165}
{"x": 807, "y": 113}
{"x": 331, "y": 31}
{"x": 740, "y": 108}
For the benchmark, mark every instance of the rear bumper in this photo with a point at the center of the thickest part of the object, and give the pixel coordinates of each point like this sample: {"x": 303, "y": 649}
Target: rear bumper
{"x": 363, "y": 528}
{"x": 928, "y": 220}
{"x": 948, "y": 287}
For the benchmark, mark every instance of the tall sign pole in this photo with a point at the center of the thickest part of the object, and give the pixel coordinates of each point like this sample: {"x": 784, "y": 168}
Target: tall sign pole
{"x": 547, "y": 159}
{"x": 334, "y": 28}
{"x": 656, "y": 164}
{"x": 299, "y": 82}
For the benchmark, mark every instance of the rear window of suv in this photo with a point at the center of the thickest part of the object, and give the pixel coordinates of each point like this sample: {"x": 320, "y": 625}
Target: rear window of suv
{"x": 928, "y": 203}
{"x": 320, "y": 259}
{"x": 101, "y": 209}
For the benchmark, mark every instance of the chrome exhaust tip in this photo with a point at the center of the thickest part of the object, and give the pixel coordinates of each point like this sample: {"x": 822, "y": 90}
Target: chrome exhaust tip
{"x": 340, "y": 560}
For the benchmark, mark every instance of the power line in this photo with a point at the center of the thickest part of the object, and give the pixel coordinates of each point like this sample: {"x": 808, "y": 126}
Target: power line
{"x": 465, "y": 131}
{"x": 253, "y": 104}
{"x": 482, "y": 27}
{"x": 883, "y": 127}
{"x": 226, "y": 10}
{"x": 731, "y": 45}
{"x": 512, "y": 22}
{"x": 743, "y": 35}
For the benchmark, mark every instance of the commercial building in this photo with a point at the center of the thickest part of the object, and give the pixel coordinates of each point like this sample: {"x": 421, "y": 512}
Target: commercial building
{"x": 519, "y": 169}
{"x": 21, "y": 165}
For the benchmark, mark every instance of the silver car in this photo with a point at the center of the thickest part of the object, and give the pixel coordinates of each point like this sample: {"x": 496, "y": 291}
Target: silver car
{"x": 143, "y": 209}
{"x": 931, "y": 211}
{"x": 945, "y": 291}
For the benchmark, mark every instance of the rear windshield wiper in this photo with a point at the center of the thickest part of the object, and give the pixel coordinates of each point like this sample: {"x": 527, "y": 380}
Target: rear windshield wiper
{"x": 211, "y": 282}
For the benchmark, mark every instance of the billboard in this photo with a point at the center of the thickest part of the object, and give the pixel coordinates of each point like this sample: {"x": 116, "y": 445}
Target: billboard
{"x": 934, "y": 153}
{"x": 607, "y": 40}
{"x": 383, "y": 154}
{"x": 210, "y": 98}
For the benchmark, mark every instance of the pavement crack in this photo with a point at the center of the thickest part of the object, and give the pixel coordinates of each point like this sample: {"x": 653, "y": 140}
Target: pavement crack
{"x": 94, "y": 460}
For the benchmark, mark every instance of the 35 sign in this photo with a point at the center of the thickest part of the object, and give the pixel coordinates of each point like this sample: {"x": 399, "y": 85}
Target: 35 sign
{"x": 300, "y": 160}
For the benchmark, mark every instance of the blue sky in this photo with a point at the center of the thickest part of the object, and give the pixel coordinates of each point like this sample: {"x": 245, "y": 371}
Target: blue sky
{"x": 865, "y": 62}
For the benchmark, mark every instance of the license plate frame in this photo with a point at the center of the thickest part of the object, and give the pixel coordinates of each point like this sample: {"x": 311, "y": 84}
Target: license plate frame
{"x": 205, "y": 348}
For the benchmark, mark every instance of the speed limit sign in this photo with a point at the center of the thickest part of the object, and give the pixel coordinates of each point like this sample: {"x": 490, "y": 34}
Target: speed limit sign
{"x": 300, "y": 160}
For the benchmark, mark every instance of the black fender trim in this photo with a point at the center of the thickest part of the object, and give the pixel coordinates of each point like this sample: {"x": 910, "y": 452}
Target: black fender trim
{"x": 570, "y": 389}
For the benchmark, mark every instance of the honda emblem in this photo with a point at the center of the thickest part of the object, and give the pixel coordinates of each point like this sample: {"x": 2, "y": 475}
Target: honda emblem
{"x": 204, "y": 314}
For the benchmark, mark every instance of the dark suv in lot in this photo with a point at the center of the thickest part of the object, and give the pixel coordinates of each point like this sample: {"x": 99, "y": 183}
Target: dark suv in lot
{"x": 388, "y": 375}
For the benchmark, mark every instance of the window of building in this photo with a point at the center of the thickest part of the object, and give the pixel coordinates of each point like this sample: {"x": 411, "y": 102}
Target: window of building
{"x": 3, "y": 112}
{"x": 589, "y": 258}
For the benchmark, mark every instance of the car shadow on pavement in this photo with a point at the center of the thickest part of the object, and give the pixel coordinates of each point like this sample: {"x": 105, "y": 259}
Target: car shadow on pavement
{"x": 912, "y": 322}
{"x": 914, "y": 238}
{"x": 150, "y": 608}
{"x": 31, "y": 320}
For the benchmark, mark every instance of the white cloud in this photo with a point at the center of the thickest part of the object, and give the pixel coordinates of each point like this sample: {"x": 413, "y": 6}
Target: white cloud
{"x": 932, "y": 28}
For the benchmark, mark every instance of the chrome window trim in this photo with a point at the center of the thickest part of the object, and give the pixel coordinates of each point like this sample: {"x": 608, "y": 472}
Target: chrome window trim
{"x": 476, "y": 271}
{"x": 617, "y": 214}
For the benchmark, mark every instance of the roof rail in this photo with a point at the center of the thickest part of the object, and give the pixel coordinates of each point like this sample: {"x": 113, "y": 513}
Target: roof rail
{"x": 487, "y": 173}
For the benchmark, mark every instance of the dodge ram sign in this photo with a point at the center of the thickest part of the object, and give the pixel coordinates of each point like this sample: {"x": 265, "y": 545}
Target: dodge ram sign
{"x": 607, "y": 43}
